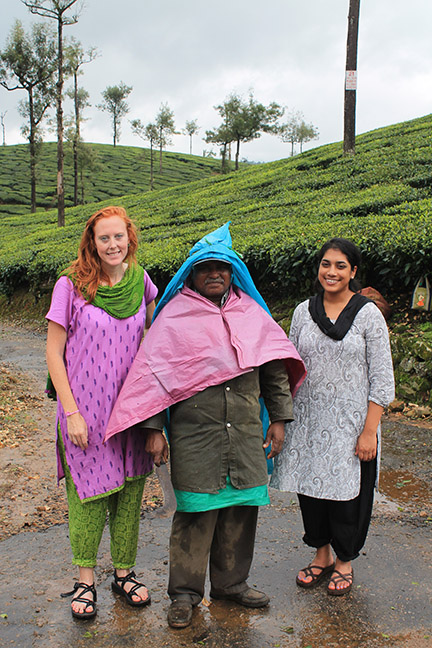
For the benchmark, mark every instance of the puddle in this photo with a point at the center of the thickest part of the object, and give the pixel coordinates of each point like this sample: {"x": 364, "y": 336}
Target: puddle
{"x": 401, "y": 487}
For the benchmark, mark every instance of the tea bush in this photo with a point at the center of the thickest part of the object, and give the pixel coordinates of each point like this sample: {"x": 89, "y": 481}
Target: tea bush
{"x": 281, "y": 213}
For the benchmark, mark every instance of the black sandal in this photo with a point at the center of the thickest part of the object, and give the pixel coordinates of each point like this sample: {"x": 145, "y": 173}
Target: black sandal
{"x": 85, "y": 588}
{"x": 118, "y": 586}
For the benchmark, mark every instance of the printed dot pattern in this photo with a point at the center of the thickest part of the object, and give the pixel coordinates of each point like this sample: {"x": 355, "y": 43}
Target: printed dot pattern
{"x": 99, "y": 353}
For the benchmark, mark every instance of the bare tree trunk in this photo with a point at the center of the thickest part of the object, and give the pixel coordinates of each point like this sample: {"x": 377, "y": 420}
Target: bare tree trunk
{"x": 32, "y": 146}
{"x": 151, "y": 165}
{"x": 224, "y": 152}
{"x": 351, "y": 78}
{"x": 190, "y": 147}
{"x": 2, "y": 116}
{"x": 82, "y": 186}
{"x": 237, "y": 155}
{"x": 60, "y": 154}
{"x": 76, "y": 138}
{"x": 160, "y": 150}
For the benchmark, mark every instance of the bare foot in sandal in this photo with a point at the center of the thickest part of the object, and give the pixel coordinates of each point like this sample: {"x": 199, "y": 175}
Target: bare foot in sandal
{"x": 341, "y": 579}
{"x": 321, "y": 565}
{"x": 126, "y": 584}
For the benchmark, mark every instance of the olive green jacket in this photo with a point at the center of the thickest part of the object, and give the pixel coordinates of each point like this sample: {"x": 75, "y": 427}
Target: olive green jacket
{"x": 218, "y": 432}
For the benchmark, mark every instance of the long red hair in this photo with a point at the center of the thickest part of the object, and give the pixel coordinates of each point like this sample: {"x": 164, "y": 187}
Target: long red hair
{"x": 86, "y": 270}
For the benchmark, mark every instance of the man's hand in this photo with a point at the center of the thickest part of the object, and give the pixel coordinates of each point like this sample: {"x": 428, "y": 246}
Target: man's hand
{"x": 156, "y": 445}
{"x": 275, "y": 436}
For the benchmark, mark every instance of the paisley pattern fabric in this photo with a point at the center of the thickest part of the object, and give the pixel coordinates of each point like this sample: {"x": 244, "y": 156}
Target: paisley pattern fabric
{"x": 330, "y": 406}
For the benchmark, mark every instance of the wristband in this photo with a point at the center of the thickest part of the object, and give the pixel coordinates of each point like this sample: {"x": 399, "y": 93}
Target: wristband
{"x": 70, "y": 413}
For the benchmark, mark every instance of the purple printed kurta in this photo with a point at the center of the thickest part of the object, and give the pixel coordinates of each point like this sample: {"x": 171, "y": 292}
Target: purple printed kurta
{"x": 98, "y": 355}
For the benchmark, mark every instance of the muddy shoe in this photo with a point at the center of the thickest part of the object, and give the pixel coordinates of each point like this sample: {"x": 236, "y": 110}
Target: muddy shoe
{"x": 180, "y": 614}
{"x": 249, "y": 598}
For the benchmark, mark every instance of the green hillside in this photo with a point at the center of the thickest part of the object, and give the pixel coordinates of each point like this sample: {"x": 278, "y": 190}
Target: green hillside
{"x": 281, "y": 213}
{"x": 115, "y": 171}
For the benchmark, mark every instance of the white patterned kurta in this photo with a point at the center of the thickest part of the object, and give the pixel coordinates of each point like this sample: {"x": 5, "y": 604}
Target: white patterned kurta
{"x": 330, "y": 407}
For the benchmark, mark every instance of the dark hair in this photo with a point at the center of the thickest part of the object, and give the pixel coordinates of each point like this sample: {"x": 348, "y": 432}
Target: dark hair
{"x": 352, "y": 253}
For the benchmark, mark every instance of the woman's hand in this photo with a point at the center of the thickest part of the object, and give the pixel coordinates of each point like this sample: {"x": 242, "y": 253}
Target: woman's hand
{"x": 366, "y": 448}
{"x": 275, "y": 436}
{"x": 77, "y": 430}
{"x": 156, "y": 445}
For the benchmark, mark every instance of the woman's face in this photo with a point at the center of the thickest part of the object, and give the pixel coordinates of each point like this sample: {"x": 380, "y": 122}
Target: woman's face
{"x": 335, "y": 272}
{"x": 111, "y": 240}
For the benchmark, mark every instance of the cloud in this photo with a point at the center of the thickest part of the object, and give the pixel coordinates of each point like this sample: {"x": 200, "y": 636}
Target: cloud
{"x": 193, "y": 53}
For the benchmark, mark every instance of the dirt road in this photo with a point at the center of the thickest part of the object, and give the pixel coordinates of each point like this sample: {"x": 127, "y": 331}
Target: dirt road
{"x": 390, "y": 604}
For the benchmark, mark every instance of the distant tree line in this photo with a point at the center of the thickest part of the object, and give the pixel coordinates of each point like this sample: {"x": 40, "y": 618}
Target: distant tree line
{"x": 39, "y": 61}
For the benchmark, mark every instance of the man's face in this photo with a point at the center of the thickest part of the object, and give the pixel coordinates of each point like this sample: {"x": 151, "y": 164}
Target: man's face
{"x": 212, "y": 279}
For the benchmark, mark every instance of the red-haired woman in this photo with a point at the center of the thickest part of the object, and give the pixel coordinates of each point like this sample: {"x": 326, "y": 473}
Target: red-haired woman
{"x": 100, "y": 308}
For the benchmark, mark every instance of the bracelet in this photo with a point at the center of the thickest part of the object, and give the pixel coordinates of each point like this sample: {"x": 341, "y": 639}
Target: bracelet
{"x": 70, "y": 413}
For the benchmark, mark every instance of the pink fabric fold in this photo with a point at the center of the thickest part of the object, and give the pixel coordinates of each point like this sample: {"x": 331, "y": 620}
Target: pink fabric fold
{"x": 194, "y": 344}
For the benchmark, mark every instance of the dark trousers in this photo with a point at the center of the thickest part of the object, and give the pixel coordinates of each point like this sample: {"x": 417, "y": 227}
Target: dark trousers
{"x": 226, "y": 536}
{"x": 342, "y": 524}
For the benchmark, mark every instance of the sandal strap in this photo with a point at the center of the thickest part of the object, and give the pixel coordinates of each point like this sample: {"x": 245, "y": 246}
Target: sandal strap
{"x": 308, "y": 571}
{"x": 85, "y": 588}
{"x": 341, "y": 577}
{"x": 129, "y": 578}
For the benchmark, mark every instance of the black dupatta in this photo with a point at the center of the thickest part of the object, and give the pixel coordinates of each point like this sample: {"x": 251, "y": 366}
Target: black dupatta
{"x": 340, "y": 328}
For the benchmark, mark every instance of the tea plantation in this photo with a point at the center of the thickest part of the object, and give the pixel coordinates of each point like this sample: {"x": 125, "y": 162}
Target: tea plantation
{"x": 281, "y": 213}
{"x": 114, "y": 171}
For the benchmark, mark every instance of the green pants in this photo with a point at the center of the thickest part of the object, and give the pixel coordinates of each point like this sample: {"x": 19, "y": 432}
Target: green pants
{"x": 87, "y": 522}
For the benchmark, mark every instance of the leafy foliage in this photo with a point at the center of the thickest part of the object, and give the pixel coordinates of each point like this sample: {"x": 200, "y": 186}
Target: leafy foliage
{"x": 113, "y": 172}
{"x": 281, "y": 214}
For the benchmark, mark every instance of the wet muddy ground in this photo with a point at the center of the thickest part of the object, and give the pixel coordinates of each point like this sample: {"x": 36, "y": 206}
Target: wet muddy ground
{"x": 390, "y": 604}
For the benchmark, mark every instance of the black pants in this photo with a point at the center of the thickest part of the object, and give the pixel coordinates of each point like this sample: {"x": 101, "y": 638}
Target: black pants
{"x": 342, "y": 524}
{"x": 226, "y": 536}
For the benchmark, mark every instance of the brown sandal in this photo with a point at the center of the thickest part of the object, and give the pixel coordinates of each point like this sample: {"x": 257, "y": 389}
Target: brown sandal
{"x": 316, "y": 578}
{"x": 338, "y": 578}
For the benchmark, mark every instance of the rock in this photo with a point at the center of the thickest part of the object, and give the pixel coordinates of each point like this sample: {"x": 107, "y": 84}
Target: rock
{"x": 397, "y": 406}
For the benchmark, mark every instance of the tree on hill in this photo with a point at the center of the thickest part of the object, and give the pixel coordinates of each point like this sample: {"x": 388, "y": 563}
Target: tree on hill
{"x": 166, "y": 128}
{"x": 57, "y": 10}
{"x": 149, "y": 133}
{"x": 75, "y": 58}
{"x": 114, "y": 102}
{"x": 191, "y": 128}
{"x": 29, "y": 63}
{"x": 223, "y": 137}
{"x": 296, "y": 131}
{"x": 246, "y": 120}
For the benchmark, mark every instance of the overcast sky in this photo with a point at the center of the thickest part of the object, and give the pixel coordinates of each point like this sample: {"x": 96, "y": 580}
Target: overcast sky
{"x": 192, "y": 54}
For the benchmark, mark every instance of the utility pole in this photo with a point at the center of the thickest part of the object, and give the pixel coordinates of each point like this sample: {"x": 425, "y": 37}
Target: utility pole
{"x": 351, "y": 78}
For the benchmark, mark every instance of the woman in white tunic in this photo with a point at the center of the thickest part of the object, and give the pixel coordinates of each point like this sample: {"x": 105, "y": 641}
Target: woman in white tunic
{"x": 330, "y": 451}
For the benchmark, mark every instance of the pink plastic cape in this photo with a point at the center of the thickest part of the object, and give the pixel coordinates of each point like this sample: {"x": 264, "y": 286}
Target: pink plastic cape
{"x": 194, "y": 344}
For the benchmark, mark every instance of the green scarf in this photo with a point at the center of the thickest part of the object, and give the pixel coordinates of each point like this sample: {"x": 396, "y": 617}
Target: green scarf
{"x": 125, "y": 298}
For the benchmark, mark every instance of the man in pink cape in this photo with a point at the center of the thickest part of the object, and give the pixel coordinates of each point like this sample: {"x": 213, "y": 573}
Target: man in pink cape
{"x": 212, "y": 356}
